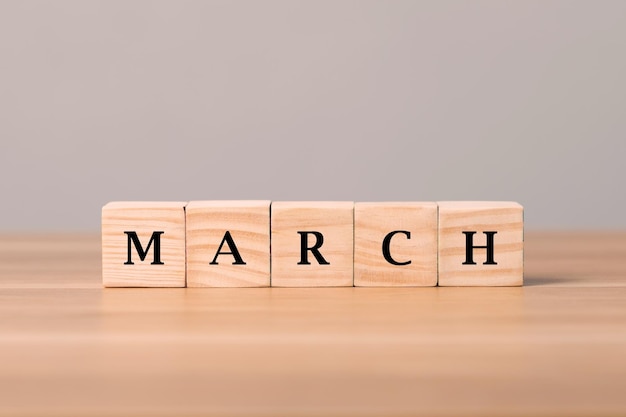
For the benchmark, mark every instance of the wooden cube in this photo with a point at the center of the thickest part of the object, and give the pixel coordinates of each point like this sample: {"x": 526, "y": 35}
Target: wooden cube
{"x": 312, "y": 244}
{"x": 143, "y": 244}
{"x": 395, "y": 244}
{"x": 481, "y": 244}
{"x": 228, "y": 244}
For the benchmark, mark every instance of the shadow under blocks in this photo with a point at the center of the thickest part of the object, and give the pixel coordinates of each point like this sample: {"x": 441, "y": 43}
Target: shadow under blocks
{"x": 259, "y": 243}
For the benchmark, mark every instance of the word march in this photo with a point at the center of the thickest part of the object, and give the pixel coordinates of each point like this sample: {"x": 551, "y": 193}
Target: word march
{"x": 312, "y": 244}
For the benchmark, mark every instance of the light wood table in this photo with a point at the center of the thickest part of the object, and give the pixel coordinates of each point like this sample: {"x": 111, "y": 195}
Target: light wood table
{"x": 556, "y": 346}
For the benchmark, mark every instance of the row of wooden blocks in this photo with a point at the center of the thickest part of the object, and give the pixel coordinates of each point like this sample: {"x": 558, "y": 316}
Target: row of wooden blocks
{"x": 311, "y": 244}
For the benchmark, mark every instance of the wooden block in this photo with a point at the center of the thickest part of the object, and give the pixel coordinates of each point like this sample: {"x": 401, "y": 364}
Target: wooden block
{"x": 481, "y": 243}
{"x": 228, "y": 244}
{"x": 143, "y": 244}
{"x": 395, "y": 244}
{"x": 326, "y": 229}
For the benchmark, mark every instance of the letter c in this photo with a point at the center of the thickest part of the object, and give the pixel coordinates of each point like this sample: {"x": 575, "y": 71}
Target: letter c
{"x": 386, "y": 243}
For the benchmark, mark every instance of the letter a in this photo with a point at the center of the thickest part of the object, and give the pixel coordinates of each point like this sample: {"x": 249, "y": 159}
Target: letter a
{"x": 233, "y": 250}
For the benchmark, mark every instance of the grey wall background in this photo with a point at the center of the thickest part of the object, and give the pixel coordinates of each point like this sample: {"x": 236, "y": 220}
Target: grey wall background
{"x": 350, "y": 100}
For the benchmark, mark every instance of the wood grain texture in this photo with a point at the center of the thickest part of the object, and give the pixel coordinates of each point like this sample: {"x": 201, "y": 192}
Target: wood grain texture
{"x": 248, "y": 223}
{"x": 335, "y": 221}
{"x": 505, "y": 218}
{"x": 373, "y": 221}
{"x": 554, "y": 347}
{"x": 144, "y": 218}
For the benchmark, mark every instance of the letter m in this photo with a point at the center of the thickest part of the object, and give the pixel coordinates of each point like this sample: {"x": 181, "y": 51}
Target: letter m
{"x": 134, "y": 240}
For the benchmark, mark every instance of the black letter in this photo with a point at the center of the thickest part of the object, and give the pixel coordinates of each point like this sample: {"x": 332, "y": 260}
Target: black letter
{"x": 233, "y": 250}
{"x": 304, "y": 259}
{"x": 156, "y": 238}
{"x": 469, "y": 248}
{"x": 387, "y": 241}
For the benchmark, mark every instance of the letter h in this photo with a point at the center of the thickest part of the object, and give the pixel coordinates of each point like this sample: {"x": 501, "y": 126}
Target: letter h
{"x": 469, "y": 248}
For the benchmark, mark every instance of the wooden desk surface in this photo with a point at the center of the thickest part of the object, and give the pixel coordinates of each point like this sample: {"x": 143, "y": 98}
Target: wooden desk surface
{"x": 556, "y": 346}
